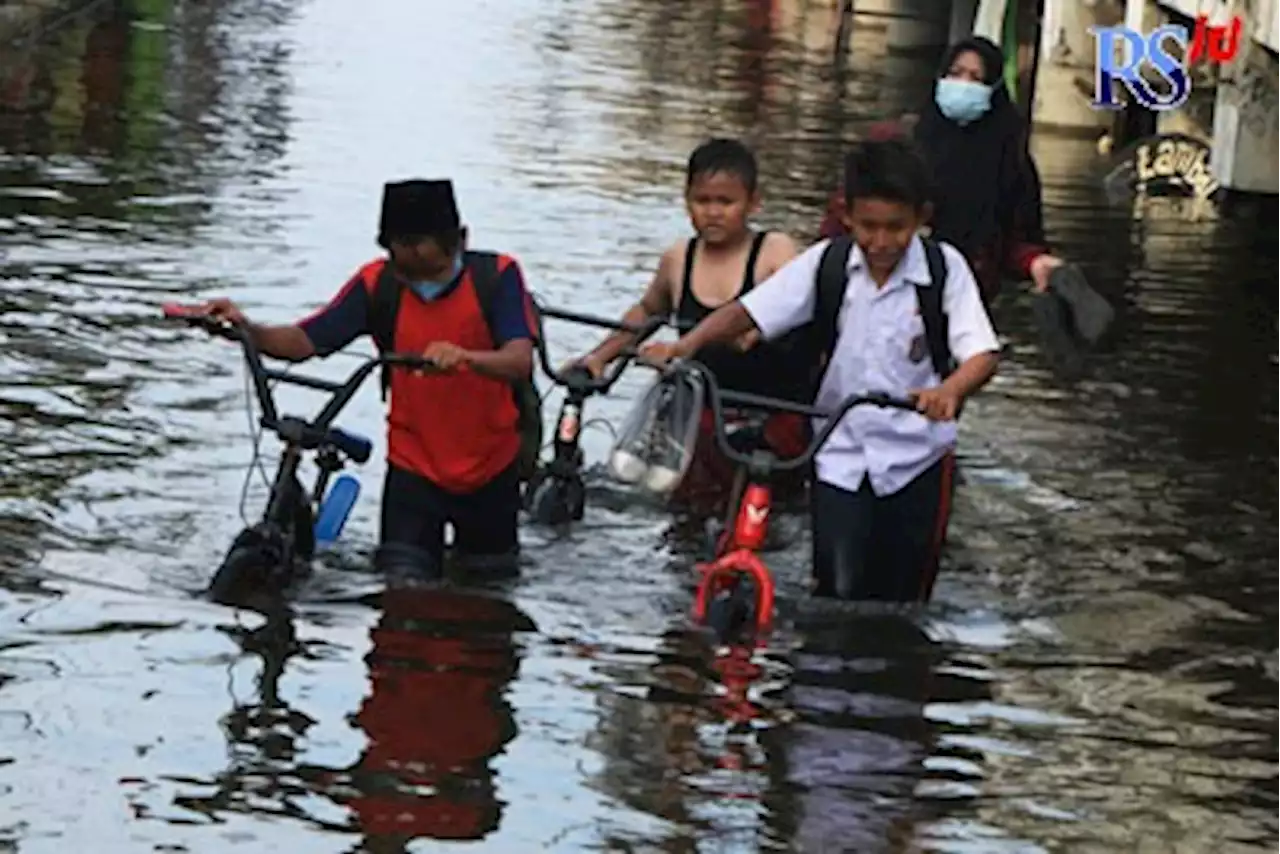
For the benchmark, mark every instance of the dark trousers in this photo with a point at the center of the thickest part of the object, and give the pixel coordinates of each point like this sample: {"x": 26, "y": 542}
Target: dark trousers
{"x": 882, "y": 548}
{"x": 415, "y": 510}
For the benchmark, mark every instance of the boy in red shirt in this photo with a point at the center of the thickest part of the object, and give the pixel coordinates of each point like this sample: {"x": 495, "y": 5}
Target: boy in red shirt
{"x": 453, "y": 438}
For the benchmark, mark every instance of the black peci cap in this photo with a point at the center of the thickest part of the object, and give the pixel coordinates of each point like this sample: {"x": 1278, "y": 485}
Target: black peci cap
{"x": 417, "y": 207}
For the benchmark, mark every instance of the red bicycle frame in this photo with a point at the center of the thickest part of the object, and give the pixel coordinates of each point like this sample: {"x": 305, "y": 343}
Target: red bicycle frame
{"x": 736, "y": 552}
{"x": 737, "y": 556}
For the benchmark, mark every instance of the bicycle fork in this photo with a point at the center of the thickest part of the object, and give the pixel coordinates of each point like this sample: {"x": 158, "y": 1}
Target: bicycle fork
{"x": 737, "y": 557}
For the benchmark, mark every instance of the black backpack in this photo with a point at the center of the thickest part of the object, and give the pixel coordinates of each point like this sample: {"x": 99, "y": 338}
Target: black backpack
{"x": 832, "y": 279}
{"x": 384, "y": 308}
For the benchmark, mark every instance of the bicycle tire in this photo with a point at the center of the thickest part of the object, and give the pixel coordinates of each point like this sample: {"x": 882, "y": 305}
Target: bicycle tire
{"x": 302, "y": 526}
{"x": 241, "y": 574}
{"x": 730, "y": 613}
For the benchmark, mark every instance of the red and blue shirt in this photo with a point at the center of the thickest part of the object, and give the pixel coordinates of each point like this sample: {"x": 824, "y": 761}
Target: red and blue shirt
{"x": 458, "y": 429}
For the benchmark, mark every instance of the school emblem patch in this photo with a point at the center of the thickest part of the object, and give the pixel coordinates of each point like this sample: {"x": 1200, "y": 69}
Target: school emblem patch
{"x": 918, "y": 349}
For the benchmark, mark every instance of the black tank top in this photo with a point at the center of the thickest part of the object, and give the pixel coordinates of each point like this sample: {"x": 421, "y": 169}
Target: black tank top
{"x": 774, "y": 369}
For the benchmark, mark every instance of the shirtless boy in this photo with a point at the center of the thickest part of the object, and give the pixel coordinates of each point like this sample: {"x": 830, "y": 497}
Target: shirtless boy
{"x": 724, "y": 260}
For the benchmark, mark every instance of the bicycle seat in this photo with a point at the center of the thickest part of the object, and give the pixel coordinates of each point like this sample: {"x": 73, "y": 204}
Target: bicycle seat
{"x": 356, "y": 447}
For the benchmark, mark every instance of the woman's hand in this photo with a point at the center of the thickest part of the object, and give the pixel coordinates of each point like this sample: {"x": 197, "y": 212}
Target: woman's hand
{"x": 1041, "y": 268}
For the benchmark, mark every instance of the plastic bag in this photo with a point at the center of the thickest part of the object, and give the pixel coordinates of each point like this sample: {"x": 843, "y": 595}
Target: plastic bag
{"x": 655, "y": 445}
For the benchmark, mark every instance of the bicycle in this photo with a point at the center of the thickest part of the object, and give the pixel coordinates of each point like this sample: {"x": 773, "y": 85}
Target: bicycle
{"x": 720, "y": 600}
{"x": 556, "y": 493}
{"x": 269, "y": 558}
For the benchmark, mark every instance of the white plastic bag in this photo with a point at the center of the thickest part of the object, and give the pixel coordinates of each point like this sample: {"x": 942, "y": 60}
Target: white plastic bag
{"x": 655, "y": 445}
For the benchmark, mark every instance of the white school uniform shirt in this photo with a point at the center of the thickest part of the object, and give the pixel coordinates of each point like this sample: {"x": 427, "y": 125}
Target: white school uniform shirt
{"x": 873, "y": 349}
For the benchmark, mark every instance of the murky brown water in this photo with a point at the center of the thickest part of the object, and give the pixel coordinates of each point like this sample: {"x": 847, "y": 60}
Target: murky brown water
{"x": 1098, "y": 673}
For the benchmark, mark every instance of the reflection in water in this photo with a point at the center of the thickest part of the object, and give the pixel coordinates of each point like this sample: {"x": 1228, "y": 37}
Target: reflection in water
{"x": 434, "y": 718}
{"x": 1102, "y": 671}
{"x": 436, "y": 715}
{"x": 149, "y": 116}
{"x": 847, "y": 768}
{"x": 676, "y": 748}
{"x": 262, "y": 731}
{"x": 831, "y": 749}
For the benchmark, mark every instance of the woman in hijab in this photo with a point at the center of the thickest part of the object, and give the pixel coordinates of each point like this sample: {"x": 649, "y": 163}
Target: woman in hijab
{"x": 986, "y": 187}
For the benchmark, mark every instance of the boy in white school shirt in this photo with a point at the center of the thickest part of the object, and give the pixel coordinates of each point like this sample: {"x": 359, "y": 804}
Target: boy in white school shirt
{"x": 883, "y": 481}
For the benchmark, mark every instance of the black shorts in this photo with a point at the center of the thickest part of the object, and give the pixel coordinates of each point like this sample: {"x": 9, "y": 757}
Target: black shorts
{"x": 883, "y": 548}
{"x": 415, "y": 510}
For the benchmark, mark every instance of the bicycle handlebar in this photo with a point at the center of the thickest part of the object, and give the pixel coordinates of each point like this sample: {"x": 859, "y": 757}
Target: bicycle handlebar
{"x": 718, "y": 398}
{"x": 262, "y": 375}
{"x": 577, "y": 378}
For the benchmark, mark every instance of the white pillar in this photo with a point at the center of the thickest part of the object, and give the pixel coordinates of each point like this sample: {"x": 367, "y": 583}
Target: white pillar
{"x": 1245, "y": 138}
{"x": 989, "y": 20}
{"x": 1066, "y": 73}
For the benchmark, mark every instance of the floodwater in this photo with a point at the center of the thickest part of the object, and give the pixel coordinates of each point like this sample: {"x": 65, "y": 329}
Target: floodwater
{"x": 1098, "y": 670}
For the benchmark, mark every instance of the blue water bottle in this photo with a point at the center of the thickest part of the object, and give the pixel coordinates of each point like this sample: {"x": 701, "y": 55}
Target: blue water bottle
{"x": 335, "y": 509}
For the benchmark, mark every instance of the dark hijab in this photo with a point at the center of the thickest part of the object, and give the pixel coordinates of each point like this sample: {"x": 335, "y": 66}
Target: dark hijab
{"x": 983, "y": 176}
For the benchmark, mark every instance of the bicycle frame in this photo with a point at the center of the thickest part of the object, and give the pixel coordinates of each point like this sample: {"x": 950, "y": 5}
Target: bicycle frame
{"x": 284, "y": 530}
{"x": 557, "y": 494}
{"x": 737, "y": 554}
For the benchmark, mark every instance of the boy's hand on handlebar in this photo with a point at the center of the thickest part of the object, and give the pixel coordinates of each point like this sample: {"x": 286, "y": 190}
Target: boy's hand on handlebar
{"x": 224, "y": 310}
{"x": 936, "y": 404}
{"x": 445, "y": 355}
{"x": 591, "y": 362}
{"x": 661, "y": 352}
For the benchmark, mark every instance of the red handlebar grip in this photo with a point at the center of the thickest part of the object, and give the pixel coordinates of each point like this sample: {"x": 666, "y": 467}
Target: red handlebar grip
{"x": 179, "y": 311}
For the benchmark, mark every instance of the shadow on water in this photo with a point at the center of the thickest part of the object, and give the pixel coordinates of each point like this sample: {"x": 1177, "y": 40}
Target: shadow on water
{"x": 1098, "y": 672}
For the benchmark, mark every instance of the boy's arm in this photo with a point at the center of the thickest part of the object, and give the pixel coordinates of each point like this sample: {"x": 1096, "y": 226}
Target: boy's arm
{"x": 970, "y": 335}
{"x": 330, "y": 329}
{"x": 655, "y": 302}
{"x": 344, "y": 319}
{"x": 513, "y": 330}
{"x": 775, "y": 306}
{"x": 289, "y": 343}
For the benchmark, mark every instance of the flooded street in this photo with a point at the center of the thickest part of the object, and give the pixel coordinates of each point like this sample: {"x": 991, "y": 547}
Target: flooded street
{"x": 1097, "y": 671}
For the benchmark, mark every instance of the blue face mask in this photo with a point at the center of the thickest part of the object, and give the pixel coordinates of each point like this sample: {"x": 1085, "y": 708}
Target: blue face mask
{"x": 962, "y": 101}
{"x": 432, "y": 289}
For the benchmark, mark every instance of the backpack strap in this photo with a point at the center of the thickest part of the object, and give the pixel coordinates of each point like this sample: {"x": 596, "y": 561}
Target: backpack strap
{"x": 829, "y": 288}
{"x": 485, "y": 277}
{"x": 929, "y": 297}
{"x": 384, "y": 304}
{"x": 385, "y": 290}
